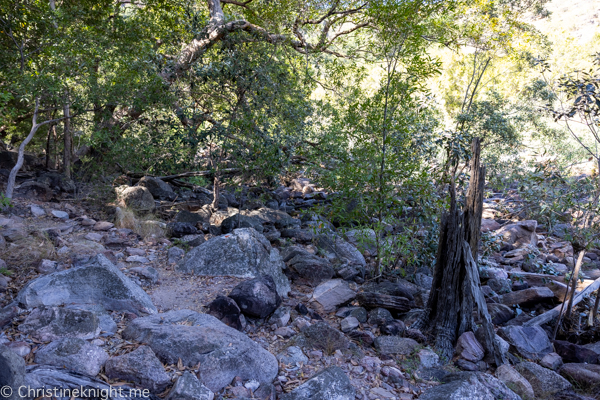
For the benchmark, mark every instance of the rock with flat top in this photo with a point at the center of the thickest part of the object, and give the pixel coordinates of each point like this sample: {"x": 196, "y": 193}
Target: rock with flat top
{"x": 98, "y": 282}
{"x": 530, "y": 342}
{"x": 333, "y": 293}
{"x": 200, "y": 340}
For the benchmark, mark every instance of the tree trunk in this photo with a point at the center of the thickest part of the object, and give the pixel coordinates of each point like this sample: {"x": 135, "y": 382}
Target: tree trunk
{"x": 456, "y": 287}
{"x": 10, "y": 187}
{"x": 68, "y": 143}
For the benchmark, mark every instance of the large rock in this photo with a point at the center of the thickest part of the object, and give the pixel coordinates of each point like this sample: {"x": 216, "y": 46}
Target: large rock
{"x": 470, "y": 386}
{"x": 227, "y": 311}
{"x": 158, "y": 188}
{"x": 531, "y": 342}
{"x": 500, "y": 313}
{"x": 140, "y": 367}
{"x": 181, "y": 229}
{"x": 137, "y": 198}
{"x": 396, "y": 345}
{"x": 241, "y": 221}
{"x": 520, "y": 233}
{"x": 244, "y": 253}
{"x": 43, "y": 377}
{"x": 47, "y": 324}
{"x": 279, "y": 219}
{"x": 469, "y": 348}
{"x": 574, "y": 353}
{"x": 544, "y": 382}
{"x": 586, "y": 375}
{"x": 221, "y": 352}
{"x": 333, "y": 293}
{"x": 489, "y": 225}
{"x": 527, "y": 296}
{"x": 257, "y": 297}
{"x": 188, "y": 387}
{"x": 343, "y": 250}
{"x": 310, "y": 267}
{"x": 323, "y": 337}
{"x": 329, "y": 384}
{"x": 12, "y": 373}
{"x": 76, "y": 354}
{"x": 514, "y": 380}
{"x": 98, "y": 282}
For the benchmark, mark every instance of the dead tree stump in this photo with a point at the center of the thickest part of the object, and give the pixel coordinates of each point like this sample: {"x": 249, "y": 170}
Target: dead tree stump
{"x": 456, "y": 288}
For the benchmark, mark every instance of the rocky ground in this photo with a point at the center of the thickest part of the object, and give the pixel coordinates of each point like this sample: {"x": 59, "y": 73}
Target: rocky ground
{"x": 259, "y": 301}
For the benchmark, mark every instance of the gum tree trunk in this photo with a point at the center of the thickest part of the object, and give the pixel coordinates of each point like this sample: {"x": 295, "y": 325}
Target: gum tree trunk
{"x": 456, "y": 289}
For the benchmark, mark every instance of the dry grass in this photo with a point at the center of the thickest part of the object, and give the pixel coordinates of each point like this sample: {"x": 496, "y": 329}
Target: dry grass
{"x": 145, "y": 226}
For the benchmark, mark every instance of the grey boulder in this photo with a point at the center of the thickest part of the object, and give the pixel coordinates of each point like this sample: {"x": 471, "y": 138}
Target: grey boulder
{"x": 256, "y": 297}
{"x": 76, "y": 354}
{"x": 545, "y": 382}
{"x": 42, "y": 377}
{"x": 343, "y": 250}
{"x": 329, "y": 384}
{"x": 333, "y": 293}
{"x": 530, "y": 342}
{"x": 470, "y": 386}
{"x": 221, "y": 352}
{"x": 158, "y": 188}
{"x": 188, "y": 387}
{"x": 396, "y": 345}
{"x": 98, "y": 282}
{"x": 141, "y": 367}
{"x": 47, "y": 324}
{"x": 12, "y": 372}
{"x": 245, "y": 253}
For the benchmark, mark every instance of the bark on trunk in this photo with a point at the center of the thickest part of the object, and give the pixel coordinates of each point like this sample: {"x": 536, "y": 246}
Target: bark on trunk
{"x": 456, "y": 287}
{"x": 68, "y": 143}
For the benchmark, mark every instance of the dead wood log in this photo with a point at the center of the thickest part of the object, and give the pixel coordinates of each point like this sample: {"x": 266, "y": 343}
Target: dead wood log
{"x": 456, "y": 287}
{"x": 374, "y": 300}
{"x": 555, "y": 312}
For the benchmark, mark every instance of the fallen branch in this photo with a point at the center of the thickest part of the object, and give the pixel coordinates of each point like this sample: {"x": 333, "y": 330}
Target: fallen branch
{"x": 555, "y": 312}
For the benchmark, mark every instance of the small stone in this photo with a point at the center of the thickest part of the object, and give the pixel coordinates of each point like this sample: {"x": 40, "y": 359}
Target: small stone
{"x": 188, "y": 387}
{"x": 280, "y": 317}
{"x": 37, "y": 211}
{"x": 47, "y": 267}
{"x": 381, "y": 393}
{"x": 175, "y": 254}
{"x": 395, "y": 345}
{"x": 103, "y": 226}
{"x": 88, "y": 222}
{"x": 348, "y": 324}
{"x": 60, "y": 214}
{"x": 138, "y": 259}
{"x": 291, "y": 356}
{"x": 133, "y": 251}
{"x": 285, "y": 332}
{"x": 428, "y": 358}
{"x": 96, "y": 237}
{"x": 552, "y": 361}
{"x": 380, "y": 316}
